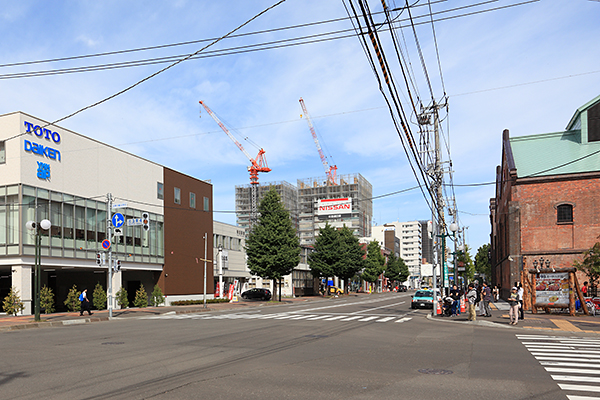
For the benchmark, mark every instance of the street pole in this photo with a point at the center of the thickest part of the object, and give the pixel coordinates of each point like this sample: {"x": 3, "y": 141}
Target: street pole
{"x": 205, "y": 243}
{"x": 110, "y": 270}
{"x": 37, "y": 279}
{"x": 439, "y": 221}
{"x": 220, "y": 270}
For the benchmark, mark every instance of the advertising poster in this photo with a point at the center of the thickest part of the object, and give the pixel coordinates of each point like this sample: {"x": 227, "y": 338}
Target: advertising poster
{"x": 552, "y": 288}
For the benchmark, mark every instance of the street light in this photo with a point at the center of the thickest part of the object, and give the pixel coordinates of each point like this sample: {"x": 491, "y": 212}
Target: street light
{"x": 220, "y": 248}
{"x": 37, "y": 281}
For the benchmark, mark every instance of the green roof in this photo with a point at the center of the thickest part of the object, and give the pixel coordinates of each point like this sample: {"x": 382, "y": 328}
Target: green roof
{"x": 554, "y": 154}
{"x": 567, "y": 152}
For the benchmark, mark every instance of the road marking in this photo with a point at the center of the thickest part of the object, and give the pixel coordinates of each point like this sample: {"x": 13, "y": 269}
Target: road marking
{"x": 304, "y": 316}
{"x": 567, "y": 364}
{"x": 385, "y": 319}
{"x": 404, "y": 319}
{"x": 367, "y": 319}
{"x": 573, "y": 370}
{"x": 579, "y": 388}
{"x": 334, "y": 318}
{"x": 319, "y": 317}
{"x": 585, "y": 379}
{"x": 582, "y": 398}
{"x": 376, "y": 308}
{"x": 565, "y": 325}
{"x": 352, "y": 318}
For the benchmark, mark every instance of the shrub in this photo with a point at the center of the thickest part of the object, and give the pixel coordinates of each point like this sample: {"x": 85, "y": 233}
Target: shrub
{"x": 100, "y": 297}
{"x": 12, "y": 303}
{"x": 122, "y": 300}
{"x": 192, "y": 302}
{"x": 157, "y": 297}
{"x": 72, "y": 302}
{"x": 141, "y": 298}
{"x": 47, "y": 300}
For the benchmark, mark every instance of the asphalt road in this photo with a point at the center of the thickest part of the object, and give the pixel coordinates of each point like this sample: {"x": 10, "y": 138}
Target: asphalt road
{"x": 372, "y": 347}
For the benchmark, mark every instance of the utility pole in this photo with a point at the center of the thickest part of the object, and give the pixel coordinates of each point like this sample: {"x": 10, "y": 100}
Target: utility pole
{"x": 109, "y": 199}
{"x": 205, "y": 243}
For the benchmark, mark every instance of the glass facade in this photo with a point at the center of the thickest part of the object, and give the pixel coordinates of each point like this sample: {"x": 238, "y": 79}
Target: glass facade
{"x": 78, "y": 226}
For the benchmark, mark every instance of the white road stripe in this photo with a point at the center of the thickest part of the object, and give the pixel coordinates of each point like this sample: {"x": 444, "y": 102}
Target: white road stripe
{"x": 582, "y": 398}
{"x": 304, "y": 316}
{"x": 584, "y": 379}
{"x": 567, "y": 351}
{"x": 559, "y": 345}
{"x": 319, "y": 317}
{"x": 367, "y": 319}
{"x": 284, "y": 317}
{"x": 579, "y": 388}
{"x": 385, "y": 319}
{"x": 334, "y": 318}
{"x": 351, "y": 318}
{"x": 567, "y": 364}
{"x": 570, "y": 354}
{"x": 404, "y": 319}
{"x": 573, "y": 370}
{"x": 566, "y": 359}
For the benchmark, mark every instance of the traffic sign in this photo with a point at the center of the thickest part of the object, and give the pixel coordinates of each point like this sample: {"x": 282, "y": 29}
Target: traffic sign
{"x": 118, "y": 220}
{"x": 119, "y": 205}
{"x": 118, "y": 232}
{"x": 106, "y": 244}
{"x": 135, "y": 222}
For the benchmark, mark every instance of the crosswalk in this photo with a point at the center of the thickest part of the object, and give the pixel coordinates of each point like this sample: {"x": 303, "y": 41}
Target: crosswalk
{"x": 288, "y": 316}
{"x": 573, "y": 362}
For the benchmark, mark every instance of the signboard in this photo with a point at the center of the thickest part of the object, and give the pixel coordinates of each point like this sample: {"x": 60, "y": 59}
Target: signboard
{"x": 118, "y": 232}
{"x": 106, "y": 244}
{"x": 334, "y": 208}
{"x": 119, "y": 205}
{"x": 552, "y": 288}
{"x": 135, "y": 221}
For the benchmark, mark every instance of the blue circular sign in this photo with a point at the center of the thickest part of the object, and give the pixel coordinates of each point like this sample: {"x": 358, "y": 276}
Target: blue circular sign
{"x": 106, "y": 244}
{"x": 118, "y": 220}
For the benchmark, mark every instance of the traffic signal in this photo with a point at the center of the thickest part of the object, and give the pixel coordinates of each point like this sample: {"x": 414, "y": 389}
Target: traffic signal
{"x": 117, "y": 266}
{"x": 146, "y": 221}
{"x": 98, "y": 258}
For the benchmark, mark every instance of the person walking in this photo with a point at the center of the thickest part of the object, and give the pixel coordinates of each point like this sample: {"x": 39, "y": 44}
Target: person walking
{"x": 471, "y": 297}
{"x": 513, "y": 302}
{"x": 486, "y": 298}
{"x": 584, "y": 289}
{"x": 496, "y": 293}
{"x": 85, "y": 303}
{"x": 520, "y": 291}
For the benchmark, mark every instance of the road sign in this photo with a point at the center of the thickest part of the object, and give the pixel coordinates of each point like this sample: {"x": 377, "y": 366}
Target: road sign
{"x": 135, "y": 222}
{"x": 119, "y": 205}
{"x": 106, "y": 244}
{"x": 118, "y": 220}
{"x": 118, "y": 232}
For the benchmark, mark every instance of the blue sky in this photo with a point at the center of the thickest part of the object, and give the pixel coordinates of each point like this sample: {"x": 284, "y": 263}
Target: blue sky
{"x": 524, "y": 68}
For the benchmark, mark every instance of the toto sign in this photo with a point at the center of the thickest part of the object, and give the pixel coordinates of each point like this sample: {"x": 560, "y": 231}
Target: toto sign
{"x": 337, "y": 207}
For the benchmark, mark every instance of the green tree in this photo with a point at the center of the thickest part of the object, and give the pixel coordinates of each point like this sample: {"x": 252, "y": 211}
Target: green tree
{"x": 47, "y": 300}
{"x": 396, "y": 269}
{"x": 350, "y": 256}
{"x": 12, "y": 303}
{"x": 326, "y": 254}
{"x": 100, "y": 297}
{"x": 272, "y": 248}
{"x": 72, "y": 302}
{"x": 590, "y": 265}
{"x": 374, "y": 262}
{"x": 465, "y": 257}
{"x": 122, "y": 299}
{"x": 482, "y": 261}
{"x": 157, "y": 297}
{"x": 141, "y": 297}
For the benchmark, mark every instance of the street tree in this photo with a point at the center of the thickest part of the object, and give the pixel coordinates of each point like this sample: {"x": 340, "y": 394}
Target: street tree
{"x": 350, "y": 256}
{"x": 374, "y": 262}
{"x": 326, "y": 252}
{"x": 396, "y": 269}
{"x": 467, "y": 261}
{"x": 590, "y": 265}
{"x": 482, "y": 261}
{"x": 273, "y": 249}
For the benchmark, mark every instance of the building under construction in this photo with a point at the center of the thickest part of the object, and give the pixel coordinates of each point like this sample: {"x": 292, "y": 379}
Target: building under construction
{"x": 315, "y": 202}
{"x": 243, "y": 200}
{"x": 347, "y": 202}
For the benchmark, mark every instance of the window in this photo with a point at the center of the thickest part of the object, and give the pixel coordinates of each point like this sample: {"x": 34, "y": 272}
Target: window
{"x": 206, "y": 204}
{"x": 2, "y": 153}
{"x": 192, "y": 200}
{"x": 177, "y": 195}
{"x": 160, "y": 191}
{"x": 564, "y": 213}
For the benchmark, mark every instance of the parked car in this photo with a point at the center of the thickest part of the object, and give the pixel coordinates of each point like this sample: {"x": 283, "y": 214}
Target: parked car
{"x": 424, "y": 299}
{"x": 257, "y": 293}
{"x": 402, "y": 288}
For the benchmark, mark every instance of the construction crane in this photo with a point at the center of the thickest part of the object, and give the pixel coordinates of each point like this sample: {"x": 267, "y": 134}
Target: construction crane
{"x": 330, "y": 171}
{"x": 259, "y": 164}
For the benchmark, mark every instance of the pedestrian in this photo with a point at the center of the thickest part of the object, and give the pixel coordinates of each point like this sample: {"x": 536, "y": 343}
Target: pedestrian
{"x": 455, "y": 293}
{"x": 584, "y": 289}
{"x": 496, "y": 293}
{"x": 513, "y": 302}
{"x": 471, "y": 297}
{"x": 520, "y": 291}
{"x": 486, "y": 298}
{"x": 85, "y": 303}
{"x": 479, "y": 300}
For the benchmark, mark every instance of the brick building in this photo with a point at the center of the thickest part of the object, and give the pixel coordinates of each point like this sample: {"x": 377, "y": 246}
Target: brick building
{"x": 546, "y": 202}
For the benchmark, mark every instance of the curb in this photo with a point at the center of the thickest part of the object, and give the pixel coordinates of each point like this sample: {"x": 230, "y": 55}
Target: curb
{"x": 50, "y": 324}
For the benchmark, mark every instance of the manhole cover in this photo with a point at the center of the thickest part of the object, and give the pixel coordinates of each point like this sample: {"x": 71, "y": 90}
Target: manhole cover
{"x": 112, "y": 343}
{"x": 433, "y": 371}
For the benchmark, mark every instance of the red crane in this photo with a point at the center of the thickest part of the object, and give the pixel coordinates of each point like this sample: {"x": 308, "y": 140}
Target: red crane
{"x": 330, "y": 171}
{"x": 259, "y": 163}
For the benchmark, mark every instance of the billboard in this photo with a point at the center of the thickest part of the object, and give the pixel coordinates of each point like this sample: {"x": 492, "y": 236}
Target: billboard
{"x": 334, "y": 208}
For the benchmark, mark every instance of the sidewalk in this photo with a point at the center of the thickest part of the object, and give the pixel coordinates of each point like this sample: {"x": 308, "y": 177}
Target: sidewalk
{"x": 540, "y": 321}
{"x": 8, "y": 322}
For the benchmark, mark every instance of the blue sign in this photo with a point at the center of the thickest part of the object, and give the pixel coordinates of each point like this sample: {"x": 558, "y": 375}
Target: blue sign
{"x": 42, "y": 150}
{"x": 118, "y": 220}
{"x": 43, "y": 171}
{"x": 106, "y": 244}
{"x": 42, "y": 132}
